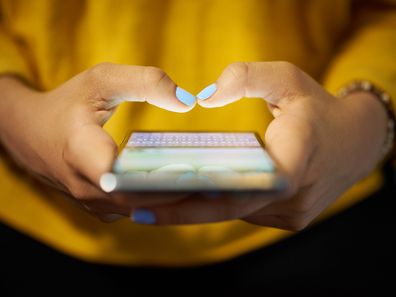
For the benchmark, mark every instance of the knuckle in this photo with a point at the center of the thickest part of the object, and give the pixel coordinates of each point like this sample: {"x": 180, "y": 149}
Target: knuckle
{"x": 238, "y": 75}
{"x": 238, "y": 69}
{"x": 294, "y": 74}
{"x": 153, "y": 76}
{"x": 289, "y": 67}
{"x": 99, "y": 71}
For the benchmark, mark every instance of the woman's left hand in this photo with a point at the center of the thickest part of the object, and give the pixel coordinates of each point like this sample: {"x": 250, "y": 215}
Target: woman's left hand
{"x": 323, "y": 144}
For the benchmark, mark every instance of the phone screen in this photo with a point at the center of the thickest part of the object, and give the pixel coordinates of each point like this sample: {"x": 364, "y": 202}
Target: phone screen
{"x": 192, "y": 161}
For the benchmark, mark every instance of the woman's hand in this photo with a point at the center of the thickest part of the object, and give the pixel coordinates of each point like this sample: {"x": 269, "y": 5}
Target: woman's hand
{"x": 57, "y": 135}
{"x": 323, "y": 144}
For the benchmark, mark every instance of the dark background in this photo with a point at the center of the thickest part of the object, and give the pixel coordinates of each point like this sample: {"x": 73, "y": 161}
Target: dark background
{"x": 351, "y": 254}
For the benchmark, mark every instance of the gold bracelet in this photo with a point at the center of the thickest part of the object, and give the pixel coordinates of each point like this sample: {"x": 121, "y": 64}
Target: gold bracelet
{"x": 385, "y": 99}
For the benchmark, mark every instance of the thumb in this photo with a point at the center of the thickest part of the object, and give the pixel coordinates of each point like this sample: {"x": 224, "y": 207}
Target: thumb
{"x": 289, "y": 141}
{"x": 289, "y": 137}
{"x": 90, "y": 152}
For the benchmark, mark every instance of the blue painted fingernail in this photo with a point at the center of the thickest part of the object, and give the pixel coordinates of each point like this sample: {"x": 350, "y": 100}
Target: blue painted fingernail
{"x": 184, "y": 96}
{"x": 207, "y": 92}
{"x": 143, "y": 216}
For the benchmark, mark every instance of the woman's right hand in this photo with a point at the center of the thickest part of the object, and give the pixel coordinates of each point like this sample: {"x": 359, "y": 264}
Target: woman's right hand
{"x": 58, "y": 135}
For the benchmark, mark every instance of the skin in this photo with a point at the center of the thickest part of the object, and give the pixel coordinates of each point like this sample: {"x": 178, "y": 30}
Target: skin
{"x": 64, "y": 125}
{"x": 323, "y": 144}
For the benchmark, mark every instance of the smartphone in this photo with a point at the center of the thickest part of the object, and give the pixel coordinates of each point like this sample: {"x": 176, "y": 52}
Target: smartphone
{"x": 174, "y": 161}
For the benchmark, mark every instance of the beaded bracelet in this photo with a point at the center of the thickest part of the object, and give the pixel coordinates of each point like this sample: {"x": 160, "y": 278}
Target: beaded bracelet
{"x": 385, "y": 99}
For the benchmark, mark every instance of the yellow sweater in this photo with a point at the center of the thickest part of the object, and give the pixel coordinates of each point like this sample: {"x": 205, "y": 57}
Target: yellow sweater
{"x": 47, "y": 42}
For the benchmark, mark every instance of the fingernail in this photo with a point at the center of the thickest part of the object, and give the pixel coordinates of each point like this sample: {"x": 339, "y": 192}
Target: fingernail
{"x": 143, "y": 216}
{"x": 207, "y": 92}
{"x": 184, "y": 96}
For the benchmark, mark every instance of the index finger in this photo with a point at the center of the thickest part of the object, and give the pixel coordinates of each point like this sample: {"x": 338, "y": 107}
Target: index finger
{"x": 118, "y": 83}
{"x": 275, "y": 82}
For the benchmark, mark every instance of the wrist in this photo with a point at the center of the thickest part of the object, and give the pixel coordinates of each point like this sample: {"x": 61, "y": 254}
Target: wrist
{"x": 16, "y": 107}
{"x": 371, "y": 120}
{"x": 384, "y": 99}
